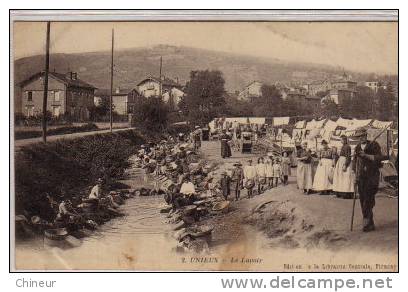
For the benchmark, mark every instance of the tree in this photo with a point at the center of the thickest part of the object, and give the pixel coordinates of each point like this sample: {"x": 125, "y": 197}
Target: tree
{"x": 362, "y": 105}
{"x": 204, "y": 96}
{"x": 152, "y": 114}
{"x": 101, "y": 111}
{"x": 385, "y": 103}
{"x": 237, "y": 108}
{"x": 328, "y": 108}
{"x": 322, "y": 94}
{"x": 270, "y": 103}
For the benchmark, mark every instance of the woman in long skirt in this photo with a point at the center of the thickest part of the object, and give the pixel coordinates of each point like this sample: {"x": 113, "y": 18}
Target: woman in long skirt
{"x": 225, "y": 147}
{"x": 304, "y": 169}
{"x": 343, "y": 177}
{"x": 321, "y": 182}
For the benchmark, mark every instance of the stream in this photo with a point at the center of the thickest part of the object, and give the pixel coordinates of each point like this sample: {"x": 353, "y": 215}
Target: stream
{"x": 139, "y": 240}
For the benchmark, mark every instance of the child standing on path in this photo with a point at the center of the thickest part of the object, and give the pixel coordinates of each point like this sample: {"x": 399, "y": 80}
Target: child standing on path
{"x": 285, "y": 165}
{"x": 269, "y": 172}
{"x": 261, "y": 175}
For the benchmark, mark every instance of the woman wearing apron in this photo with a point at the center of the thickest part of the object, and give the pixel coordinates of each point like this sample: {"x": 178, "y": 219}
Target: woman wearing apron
{"x": 304, "y": 169}
{"x": 343, "y": 177}
{"x": 321, "y": 182}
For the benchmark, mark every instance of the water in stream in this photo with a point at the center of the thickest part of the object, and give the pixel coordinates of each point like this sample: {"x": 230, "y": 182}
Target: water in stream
{"x": 139, "y": 240}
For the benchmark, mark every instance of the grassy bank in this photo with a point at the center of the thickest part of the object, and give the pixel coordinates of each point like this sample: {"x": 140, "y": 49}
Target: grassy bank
{"x": 26, "y": 134}
{"x": 67, "y": 168}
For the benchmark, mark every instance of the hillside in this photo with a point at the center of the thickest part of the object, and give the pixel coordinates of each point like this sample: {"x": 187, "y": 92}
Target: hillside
{"x": 132, "y": 65}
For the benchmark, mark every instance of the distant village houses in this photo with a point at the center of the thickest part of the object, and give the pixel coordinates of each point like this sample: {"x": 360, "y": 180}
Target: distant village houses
{"x": 251, "y": 91}
{"x": 297, "y": 94}
{"x": 170, "y": 90}
{"x": 375, "y": 85}
{"x": 124, "y": 100}
{"x": 67, "y": 94}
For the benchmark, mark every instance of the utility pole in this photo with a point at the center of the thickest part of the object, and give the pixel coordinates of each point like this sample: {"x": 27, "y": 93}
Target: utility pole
{"x": 111, "y": 84}
{"x": 47, "y": 67}
{"x": 160, "y": 76}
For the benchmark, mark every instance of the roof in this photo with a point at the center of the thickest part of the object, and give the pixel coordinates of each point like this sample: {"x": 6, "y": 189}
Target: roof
{"x": 61, "y": 77}
{"x": 165, "y": 82}
{"x": 107, "y": 92}
{"x": 343, "y": 81}
{"x": 313, "y": 97}
{"x": 253, "y": 82}
{"x": 341, "y": 89}
{"x": 295, "y": 92}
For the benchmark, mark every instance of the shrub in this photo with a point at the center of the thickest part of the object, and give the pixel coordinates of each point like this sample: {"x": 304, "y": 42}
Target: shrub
{"x": 66, "y": 168}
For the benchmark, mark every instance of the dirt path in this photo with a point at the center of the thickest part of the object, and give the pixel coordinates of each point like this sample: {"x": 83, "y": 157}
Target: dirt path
{"x": 300, "y": 226}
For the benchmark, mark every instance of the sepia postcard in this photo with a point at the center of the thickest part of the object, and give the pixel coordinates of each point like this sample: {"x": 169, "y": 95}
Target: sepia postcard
{"x": 213, "y": 141}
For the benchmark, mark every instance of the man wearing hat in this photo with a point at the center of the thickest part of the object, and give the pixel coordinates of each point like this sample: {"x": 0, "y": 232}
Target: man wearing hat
{"x": 366, "y": 164}
{"x": 237, "y": 176}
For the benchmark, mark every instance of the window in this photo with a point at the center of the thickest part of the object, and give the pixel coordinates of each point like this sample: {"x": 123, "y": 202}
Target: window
{"x": 29, "y": 96}
{"x": 57, "y": 96}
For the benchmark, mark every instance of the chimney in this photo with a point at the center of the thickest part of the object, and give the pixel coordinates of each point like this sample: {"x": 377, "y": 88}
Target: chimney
{"x": 72, "y": 75}
{"x": 117, "y": 90}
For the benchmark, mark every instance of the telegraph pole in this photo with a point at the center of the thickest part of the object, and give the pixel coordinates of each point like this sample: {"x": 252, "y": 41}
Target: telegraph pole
{"x": 160, "y": 76}
{"x": 111, "y": 84}
{"x": 47, "y": 67}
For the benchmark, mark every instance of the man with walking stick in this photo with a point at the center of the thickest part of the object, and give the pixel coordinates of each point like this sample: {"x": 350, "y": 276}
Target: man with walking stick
{"x": 366, "y": 164}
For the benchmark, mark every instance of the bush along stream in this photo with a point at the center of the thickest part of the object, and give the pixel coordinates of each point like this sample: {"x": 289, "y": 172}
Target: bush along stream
{"x": 54, "y": 183}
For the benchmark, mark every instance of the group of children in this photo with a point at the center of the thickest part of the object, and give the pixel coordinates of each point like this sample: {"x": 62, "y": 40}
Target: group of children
{"x": 261, "y": 176}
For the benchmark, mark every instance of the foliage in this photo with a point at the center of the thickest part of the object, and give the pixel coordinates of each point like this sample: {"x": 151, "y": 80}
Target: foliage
{"x": 66, "y": 168}
{"x": 361, "y": 107}
{"x": 386, "y": 103}
{"x": 204, "y": 96}
{"x": 322, "y": 94}
{"x": 151, "y": 114}
{"x": 238, "y": 108}
{"x": 328, "y": 108}
{"x": 270, "y": 103}
{"x": 101, "y": 111}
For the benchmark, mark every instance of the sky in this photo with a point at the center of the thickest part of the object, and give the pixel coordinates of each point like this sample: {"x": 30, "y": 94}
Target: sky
{"x": 357, "y": 46}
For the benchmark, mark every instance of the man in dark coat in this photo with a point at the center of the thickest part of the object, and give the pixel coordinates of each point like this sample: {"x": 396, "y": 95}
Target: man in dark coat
{"x": 366, "y": 164}
{"x": 237, "y": 177}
